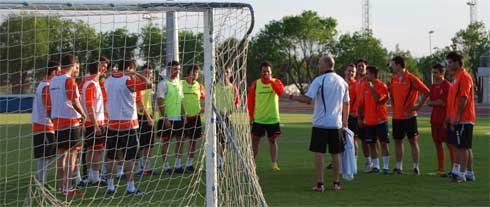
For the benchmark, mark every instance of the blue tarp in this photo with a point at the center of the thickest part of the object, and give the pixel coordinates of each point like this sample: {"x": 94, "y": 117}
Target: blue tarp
{"x": 21, "y": 103}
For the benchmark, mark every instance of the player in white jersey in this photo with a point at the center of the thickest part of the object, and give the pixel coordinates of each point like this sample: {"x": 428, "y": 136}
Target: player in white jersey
{"x": 42, "y": 126}
{"x": 67, "y": 114}
{"x": 122, "y": 141}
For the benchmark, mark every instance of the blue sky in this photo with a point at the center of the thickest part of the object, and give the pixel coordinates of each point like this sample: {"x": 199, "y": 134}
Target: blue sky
{"x": 403, "y": 22}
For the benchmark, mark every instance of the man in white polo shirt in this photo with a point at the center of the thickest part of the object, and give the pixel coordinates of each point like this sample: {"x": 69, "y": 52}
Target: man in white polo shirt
{"x": 330, "y": 94}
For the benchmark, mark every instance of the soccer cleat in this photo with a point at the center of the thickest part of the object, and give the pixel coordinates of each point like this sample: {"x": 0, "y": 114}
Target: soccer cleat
{"x": 416, "y": 171}
{"x": 275, "y": 167}
{"x": 135, "y": 193}
{"x": 189, "y": 169}
{"x": 139, "y": 173}
{"x": 110, "y": 192}
{"x": 329, "y": 166}
{"x": 470, "y": 178}
{"x": 337, "y": 186}
{"x": 397, "y": 171}
{"x": 374, "y": 170}
{"x": 169, "y": 171}
{"x": 367, "y": 167}
{"x": 318, "y": 187}
{"x": 83, "y": 184}
{"x": 179, "y": 170}
{"x": 386, "y": 171}
{"x": 99, "y": 183}
{"x": 151, "y": 173}
{"x": 458, "y": 179}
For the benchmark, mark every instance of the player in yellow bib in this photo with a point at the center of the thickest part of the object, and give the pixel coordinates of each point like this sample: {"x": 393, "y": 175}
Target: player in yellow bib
{"x": 263, "y": 107}
{"x": 171, "y": 123}
{"x": 227, "y": 100}
{"x": 192, "y": 104}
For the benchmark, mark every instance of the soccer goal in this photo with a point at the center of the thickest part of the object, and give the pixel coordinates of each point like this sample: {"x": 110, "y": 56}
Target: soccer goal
{"x": 213, "y": 36}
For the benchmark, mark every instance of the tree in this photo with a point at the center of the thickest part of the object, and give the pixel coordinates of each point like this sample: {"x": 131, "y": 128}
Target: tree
{"x": 293, "y": 44}
{"x": 119, "y": 44}
{"x": 153, "y": 45}
{"x": 425, "y": 63}
{"x": 351, "y": 47}
{"x": 473, "y": 42}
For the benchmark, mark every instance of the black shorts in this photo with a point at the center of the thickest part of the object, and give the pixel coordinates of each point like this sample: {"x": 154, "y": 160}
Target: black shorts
{"x": 44, "y": 145}
{"x": 145, "y": 133}
{"x": 69, "y": 138}
{"x": 461, "y": 136}
{"x": 259, "y": 130}
{"x": 352, "y": 124}
{"x": 222, "y": 130}
{"x": 122, "y": 144}
{"x": 405, "y": 127}
{"x": 193, "y": 127}
{"x": 176, "y": 129}
{"x": 375, "y": 132}
{"x": 94, "y": 141}
{"x": 320, "y": 138}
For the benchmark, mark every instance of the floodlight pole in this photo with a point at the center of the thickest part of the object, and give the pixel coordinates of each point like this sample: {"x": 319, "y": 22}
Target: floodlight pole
{"x": 209, "y": 79}
{"x": 172, "y": 41}
{"x": 430, "y": 53}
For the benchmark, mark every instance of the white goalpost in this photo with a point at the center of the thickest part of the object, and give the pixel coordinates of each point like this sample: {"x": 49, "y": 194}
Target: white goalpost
{"x": 212, "y": 36}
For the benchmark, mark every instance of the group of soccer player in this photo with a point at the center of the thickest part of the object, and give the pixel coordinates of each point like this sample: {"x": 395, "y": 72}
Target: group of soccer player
{"x": 107, "y": 120}
{"x": 452, "y": 118}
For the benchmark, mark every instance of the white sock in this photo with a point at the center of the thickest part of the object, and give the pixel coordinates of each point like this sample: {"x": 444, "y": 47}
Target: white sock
{"x": 90, "y": 175}
{"x": 96, "y": 175}
{"x": 376, "y": 163}
{"x": 110, "y": 184}
{"x": 40, "y": 170}
{"x": 130, "y": 186}
{"x": 78, "y": 177}
{"x": 178, "y": 162}
{"x": 386, "y": 162}
{"x": 120, "y": 171}
{"x": 455, "y": 168}
{"x": 138, "y": 166}
{"x": 399, "y": 165}
{"x": 367, "y": 159}
{"x": 166, "y": 166}
{"x": 189, "y": 161}
{"x": 416, "y": 165}
{"x": 147, "y": 164}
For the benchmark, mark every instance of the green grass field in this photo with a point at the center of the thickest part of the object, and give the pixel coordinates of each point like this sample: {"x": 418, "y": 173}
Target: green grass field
{"x": 292, "y": 185}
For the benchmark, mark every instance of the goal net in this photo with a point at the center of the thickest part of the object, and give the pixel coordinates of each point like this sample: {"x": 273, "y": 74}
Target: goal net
{"x": 36, "y": 35}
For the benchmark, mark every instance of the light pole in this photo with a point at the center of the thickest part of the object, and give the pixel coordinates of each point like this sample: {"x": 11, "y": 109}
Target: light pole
{"x": 430, "y": 53}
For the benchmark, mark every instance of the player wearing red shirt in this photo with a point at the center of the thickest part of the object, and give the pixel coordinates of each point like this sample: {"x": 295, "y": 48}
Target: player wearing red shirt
{"x": 437, "y": 100}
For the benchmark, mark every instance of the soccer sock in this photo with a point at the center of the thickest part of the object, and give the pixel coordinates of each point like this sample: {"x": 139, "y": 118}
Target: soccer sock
{"x": 90, "y": 175}
{"x": 368, "y": 160}
{"x": 120, "y": 171}
{"x": 147, "y": 164}
{"x": 166, "y": 166}
{"x": 455, "y": 168}
{"x": 110, "y": 184}
{"x": 415, "y": 165}
{"x": 386, "y": 162}
{"x": 376, "y": 163}
{"x": 178, "y": 162}
{"x": 138, "y": 166}
{"x": 130, "y": 186}
{"x": 440, "y": 159}
{"x": 40, "y": 171}
{"x": 399, "y": 165}
{"x": 78, "y": 177}
{"x": 96, "y": 175}
{"x": 190, "y": 161}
